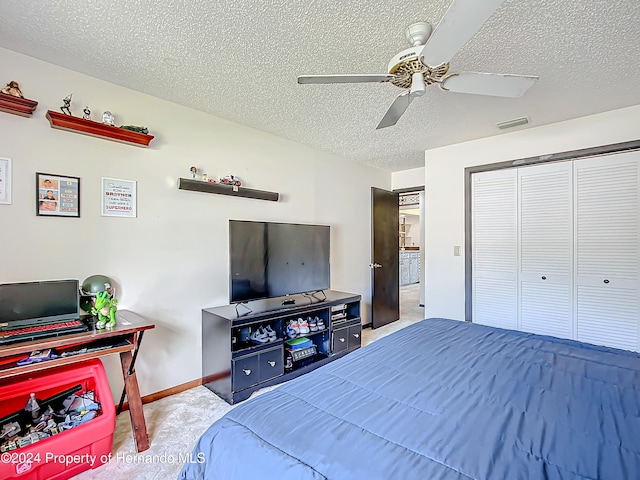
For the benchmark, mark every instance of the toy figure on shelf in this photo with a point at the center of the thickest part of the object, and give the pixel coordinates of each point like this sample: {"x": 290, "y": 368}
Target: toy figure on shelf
{"x": 66, "y": 108}
{"x": 194, "y": 172}
{"x": 107, "y": 119}
{"x": 230, "y": 180}
{"x": 135, "y": 128}
{"x": 87, "y": 113}
{"x": 13, "y": 89}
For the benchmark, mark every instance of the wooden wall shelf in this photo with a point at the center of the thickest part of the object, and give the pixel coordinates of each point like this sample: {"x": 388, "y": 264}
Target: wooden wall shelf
{"x": 16, "y": 105}
{"x": 70, "y": 123}
{"x": 208, "y": 187}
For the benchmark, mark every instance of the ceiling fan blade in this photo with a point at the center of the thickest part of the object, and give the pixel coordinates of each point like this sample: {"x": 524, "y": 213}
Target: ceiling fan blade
{"x": 351, "y": 78}
{"x": 396, "y": 110}
{"x": 495, "y": 84}
{"x": 460, "y": 23}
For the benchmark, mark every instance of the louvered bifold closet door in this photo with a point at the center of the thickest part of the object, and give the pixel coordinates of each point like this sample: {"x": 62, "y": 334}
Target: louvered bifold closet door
{"x": 494, "y": 248}
{"x": 607, "y": 250}
{"x": 546, "y": 249}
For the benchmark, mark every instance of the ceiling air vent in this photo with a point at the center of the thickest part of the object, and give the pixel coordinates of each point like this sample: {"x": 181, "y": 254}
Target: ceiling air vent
{"x": 513, "y": 123}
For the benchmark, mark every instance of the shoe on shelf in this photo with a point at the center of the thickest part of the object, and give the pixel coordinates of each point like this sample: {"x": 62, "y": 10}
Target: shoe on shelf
{"x": 320, "y": 323}
{"x": 293, "y": 329}
{"x": 245, "y": 332}
{"x": 259, "y": 336}
{"x": 271, "y": 333}
{"x": 313, "y": 324}
{"x": 296, "y": 326}
{"x": 304, "y": 326}
{"x": 290, "y": 332}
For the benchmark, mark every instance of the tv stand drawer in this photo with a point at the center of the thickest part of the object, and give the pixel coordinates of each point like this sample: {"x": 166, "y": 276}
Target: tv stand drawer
{"x": 346, "y": 338}
{"x": 258, "y": 367}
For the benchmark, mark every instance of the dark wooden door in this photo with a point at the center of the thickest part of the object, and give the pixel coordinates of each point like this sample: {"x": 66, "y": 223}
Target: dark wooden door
{"x": 385, "y": 283}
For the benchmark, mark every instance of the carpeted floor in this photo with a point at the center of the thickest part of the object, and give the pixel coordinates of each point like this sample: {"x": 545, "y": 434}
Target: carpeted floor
{"x": 175, "y": 423}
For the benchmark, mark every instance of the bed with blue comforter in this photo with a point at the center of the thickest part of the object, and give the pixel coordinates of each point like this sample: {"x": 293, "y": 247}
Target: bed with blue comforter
{"x": 440, "y": 399}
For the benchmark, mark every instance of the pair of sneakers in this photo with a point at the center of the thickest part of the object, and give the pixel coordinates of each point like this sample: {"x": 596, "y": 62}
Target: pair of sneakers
{"x": 304, "y": 326}
{"x": 263, "y": 335}
{"x": 313, "y": 324}
{"x": 316, "y": 324}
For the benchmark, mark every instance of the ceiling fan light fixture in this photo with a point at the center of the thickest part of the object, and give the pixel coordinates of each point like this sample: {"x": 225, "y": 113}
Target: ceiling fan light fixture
{"x": 516, "y": 122}
{"x": 418, "y": 86}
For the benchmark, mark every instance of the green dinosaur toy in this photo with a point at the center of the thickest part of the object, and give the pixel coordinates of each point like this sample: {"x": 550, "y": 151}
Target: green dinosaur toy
{"x": 104, "y": 308}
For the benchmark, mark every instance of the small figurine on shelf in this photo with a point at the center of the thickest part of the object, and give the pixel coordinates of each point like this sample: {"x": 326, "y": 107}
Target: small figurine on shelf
{"x": 230, "y": 180}
{"x": 134, "y": 128}
{"x": 67, "y": 104}
{"x": 87, "y": 113}
{"x": 204, "y": 177}
{"x": 107, "y": 119}
{"x": 13, "y": 89}
{"x": 194, "y": 172}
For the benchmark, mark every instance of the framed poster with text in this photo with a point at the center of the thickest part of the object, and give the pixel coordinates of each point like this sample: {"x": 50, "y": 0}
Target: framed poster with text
{"x": 57, "y": 195}
{"x": 5, "y": 181}
{"x": 118, "y": 197}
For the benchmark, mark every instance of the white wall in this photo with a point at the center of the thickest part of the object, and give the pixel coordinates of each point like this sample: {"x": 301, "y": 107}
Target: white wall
{"x": 413, "y": 177}
{"x": 444, "y": 190}
{"x": 172, "y": 260}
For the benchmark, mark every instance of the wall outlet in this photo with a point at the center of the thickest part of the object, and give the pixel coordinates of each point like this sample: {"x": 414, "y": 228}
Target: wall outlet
{"x": 456, "y": 250}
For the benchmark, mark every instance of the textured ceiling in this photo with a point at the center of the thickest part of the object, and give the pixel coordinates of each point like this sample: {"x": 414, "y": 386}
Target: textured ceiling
{"x": 239, "y": 60}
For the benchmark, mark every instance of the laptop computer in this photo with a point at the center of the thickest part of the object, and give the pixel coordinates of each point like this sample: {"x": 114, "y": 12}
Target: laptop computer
{"x": 31, "y": 310}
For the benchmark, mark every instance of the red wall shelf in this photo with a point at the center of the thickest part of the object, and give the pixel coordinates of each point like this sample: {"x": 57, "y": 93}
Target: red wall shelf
{"x": 70, "y": 123}
{"x": 16, "y": 105}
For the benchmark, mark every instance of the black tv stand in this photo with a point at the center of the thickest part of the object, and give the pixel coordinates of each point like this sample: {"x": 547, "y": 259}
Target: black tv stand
{"x": 234, "y": 366}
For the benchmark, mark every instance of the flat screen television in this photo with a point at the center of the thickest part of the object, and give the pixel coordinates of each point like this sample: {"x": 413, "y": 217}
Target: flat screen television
{"x": 29, "y": 303}
{"x": 269, "y": 259}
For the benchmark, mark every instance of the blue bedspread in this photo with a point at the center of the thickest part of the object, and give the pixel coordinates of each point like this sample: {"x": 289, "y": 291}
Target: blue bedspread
{"x": 440, "y": 399}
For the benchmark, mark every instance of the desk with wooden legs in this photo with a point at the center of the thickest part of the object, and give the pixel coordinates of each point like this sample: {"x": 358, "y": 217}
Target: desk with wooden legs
{"x": 124, "y": 339}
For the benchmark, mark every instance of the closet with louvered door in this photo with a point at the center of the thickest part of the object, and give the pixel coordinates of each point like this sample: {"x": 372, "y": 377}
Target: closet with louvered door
{"x": 607, "y": 252}
{"x": 546, "y": 249}
{"x": 556, "y": 249}
{"x": 495, "y": 248}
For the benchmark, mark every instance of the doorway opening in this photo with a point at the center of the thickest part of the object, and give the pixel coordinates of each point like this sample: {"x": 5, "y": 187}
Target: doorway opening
{"x": 411, "y": 252}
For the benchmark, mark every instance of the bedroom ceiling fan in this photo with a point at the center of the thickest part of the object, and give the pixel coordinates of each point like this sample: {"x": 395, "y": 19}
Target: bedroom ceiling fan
{"x": 427, "y": 61}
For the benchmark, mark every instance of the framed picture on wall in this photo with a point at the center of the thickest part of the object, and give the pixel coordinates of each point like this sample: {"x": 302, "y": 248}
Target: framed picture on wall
{"x": 118, "y": 197}
{"x": 57, "y": 195}
{"x": 5, "y": 181}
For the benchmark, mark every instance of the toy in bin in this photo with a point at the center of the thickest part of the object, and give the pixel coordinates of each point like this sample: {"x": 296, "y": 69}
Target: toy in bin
{"x": 41, "y": 419}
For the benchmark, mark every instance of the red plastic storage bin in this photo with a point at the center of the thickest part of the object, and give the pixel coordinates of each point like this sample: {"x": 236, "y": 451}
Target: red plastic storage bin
{"x": 69, "y": 452}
